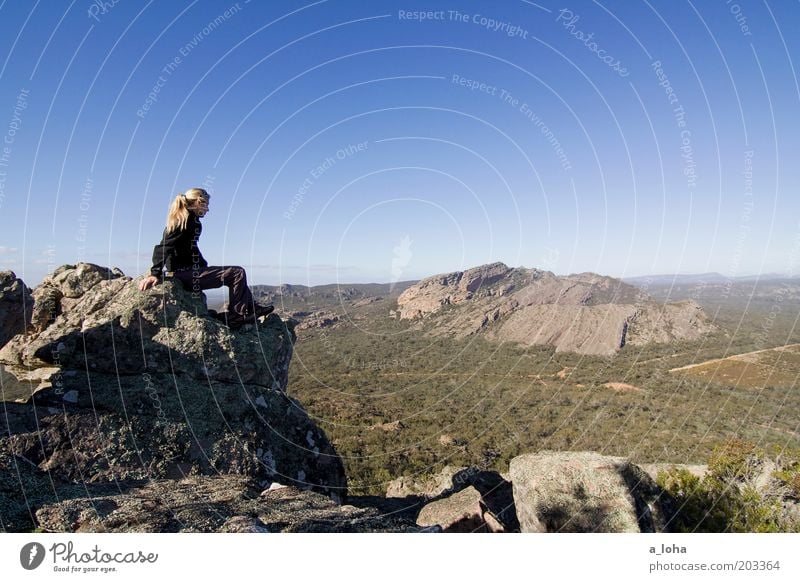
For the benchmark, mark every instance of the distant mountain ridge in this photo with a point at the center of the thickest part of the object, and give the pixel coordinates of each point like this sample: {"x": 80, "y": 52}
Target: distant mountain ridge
{"x": 331, "y": 291}
{"x": 707, "y": 278}
{"x": 584, "y": 313}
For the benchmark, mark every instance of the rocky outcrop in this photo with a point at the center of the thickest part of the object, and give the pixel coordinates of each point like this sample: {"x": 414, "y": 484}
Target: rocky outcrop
{"x": 16, "y": 304}
{"x": 432, "y": 294}
{"x": 223, "y": 504}
{"x": 460, "y": 500}
{"x": 584, "y": 313}
{"x": 121, "y": 386}
{"x": 62, "y": 289}
{"x": 366, "y": 301}
{"x": 113, "y": 328}
{"x": 585, "y": 492}
{"x": 317, "y": 319}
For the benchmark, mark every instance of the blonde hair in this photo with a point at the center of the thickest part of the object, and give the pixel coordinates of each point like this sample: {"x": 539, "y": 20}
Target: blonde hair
{"x": 178, "y": 213}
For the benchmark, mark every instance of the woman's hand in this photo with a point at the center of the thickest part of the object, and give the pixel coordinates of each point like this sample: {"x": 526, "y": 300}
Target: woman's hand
{"x": 147, "y": 282}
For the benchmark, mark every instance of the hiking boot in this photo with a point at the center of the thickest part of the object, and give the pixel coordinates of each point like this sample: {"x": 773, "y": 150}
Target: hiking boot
{"x": 232, "y": 319}
{"x": 262, "y": 310}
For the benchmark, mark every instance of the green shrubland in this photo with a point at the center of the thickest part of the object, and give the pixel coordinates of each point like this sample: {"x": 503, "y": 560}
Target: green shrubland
{"x": 470, "y": 401}
{"x": 744, "y": 490}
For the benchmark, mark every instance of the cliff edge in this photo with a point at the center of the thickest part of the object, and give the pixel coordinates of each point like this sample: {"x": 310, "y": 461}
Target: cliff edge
{"x": 114, "y": 387}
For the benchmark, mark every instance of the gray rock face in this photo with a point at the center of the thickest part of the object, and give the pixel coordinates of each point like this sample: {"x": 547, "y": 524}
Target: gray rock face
{"x": 223, "y": 504}
{"x": 16, "y": 304}
{"x": 599, "y": 330}
{"x": 60, "y": 290}
{"x": 318, "y": 319}
{"x": 459, "y": 513}
{"x": 583, "y": 313}
{"x": 585, "y": 492}
{"x": 125, "y": 385}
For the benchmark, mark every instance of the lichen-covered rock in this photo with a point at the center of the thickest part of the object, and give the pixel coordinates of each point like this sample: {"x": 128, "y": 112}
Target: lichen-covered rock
{"x": 46, "y": 307}
{"x": 497, "y": 511}
{"x": 16, "y": 304}
{"x": 461, "y": 512}
{"x": 73, "y": 281}
{"x": 225, "y": 503}
{"x": 61, "y": 289}
{"x": 427, "y": 486}
{"x": 126, "y": 385}
{"x": 585, "y": 492}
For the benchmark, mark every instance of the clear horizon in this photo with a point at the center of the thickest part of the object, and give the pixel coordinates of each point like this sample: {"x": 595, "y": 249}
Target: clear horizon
{"x": 352, "y": 142}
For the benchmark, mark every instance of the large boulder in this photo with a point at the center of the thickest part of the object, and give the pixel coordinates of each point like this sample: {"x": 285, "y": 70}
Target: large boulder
{"x": 62, "y": 289}
{"x": 123, "y": 385}
{"x": 428, "y": 486}
{"x": 16, "y": 304}
{"x": 585, "y": 492}
{"x": 460, "y": 499}
{"x": 459, "y": 513}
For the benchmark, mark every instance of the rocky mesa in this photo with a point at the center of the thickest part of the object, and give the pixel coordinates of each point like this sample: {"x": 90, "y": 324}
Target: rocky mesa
{"x": 584, "y": 313}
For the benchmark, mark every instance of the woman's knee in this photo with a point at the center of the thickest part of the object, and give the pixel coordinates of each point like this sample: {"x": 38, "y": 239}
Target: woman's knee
{"x": 236, "y": 272}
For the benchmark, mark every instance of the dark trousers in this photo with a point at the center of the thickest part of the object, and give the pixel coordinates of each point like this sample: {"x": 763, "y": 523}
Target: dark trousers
{"x": 240, "y": 300}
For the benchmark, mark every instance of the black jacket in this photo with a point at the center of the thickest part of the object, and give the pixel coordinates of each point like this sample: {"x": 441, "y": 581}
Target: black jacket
{"x": 178, "y": 250}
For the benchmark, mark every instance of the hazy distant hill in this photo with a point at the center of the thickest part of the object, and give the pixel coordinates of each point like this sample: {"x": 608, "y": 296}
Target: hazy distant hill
{"x": 291, "y": 297}
{"x": 647, "y": 280}
{"x": 703, "y": 278}
{"x": 743, "y": 293}
{"x": 318, "y": 297}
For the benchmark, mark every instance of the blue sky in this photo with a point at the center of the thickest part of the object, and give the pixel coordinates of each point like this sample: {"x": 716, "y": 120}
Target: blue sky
{"x": 358, "y": 141}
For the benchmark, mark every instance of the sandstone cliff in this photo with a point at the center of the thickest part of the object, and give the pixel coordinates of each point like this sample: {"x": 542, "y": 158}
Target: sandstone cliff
{"x": 584, "y": 313}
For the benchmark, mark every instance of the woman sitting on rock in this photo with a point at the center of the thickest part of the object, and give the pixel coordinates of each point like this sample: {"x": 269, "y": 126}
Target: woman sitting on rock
{"x": 178, "y": 253}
